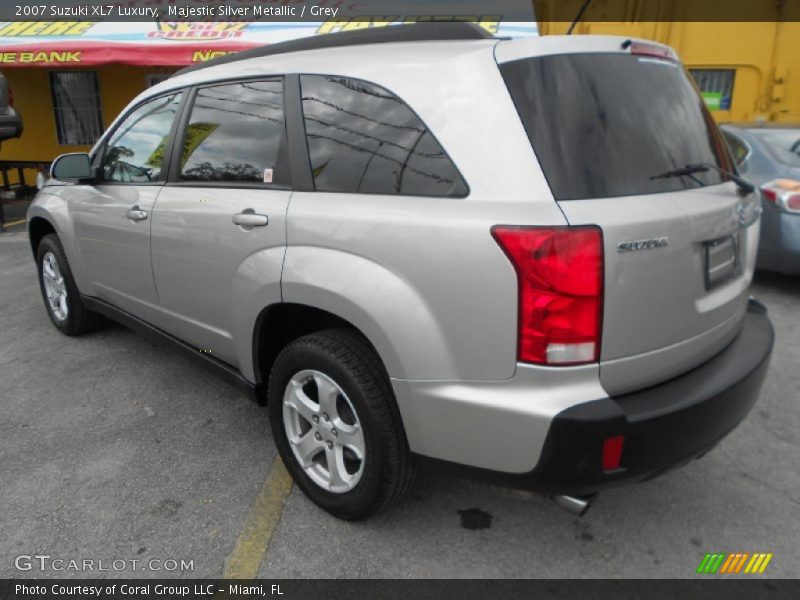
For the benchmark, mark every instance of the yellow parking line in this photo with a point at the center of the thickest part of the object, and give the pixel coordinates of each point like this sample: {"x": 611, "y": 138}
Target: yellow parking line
{"x": 260, "y": 525}
{"x": 12, "y": 223}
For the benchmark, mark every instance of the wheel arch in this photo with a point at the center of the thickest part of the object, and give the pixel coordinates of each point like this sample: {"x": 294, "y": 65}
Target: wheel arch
{"x": 279, "y": 324}
{"x": 38, "y": 227}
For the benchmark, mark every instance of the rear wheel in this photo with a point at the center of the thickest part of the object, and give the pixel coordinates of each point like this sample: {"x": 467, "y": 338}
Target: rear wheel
{"x": 336, "y": 424}
{"x": 61, "y": 297}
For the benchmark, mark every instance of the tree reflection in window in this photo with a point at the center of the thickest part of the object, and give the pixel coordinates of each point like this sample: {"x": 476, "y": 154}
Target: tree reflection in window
{"x": 234, "y": 133}
{"x": 362, "y": 138}
{"x": 135, "y": 152}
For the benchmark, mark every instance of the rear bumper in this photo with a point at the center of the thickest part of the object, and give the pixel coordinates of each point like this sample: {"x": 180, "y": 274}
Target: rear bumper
{"x": 664, "y": 426}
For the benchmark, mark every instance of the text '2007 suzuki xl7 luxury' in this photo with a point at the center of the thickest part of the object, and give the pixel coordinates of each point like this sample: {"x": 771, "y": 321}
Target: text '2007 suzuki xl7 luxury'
{"x": 526, "y": 260}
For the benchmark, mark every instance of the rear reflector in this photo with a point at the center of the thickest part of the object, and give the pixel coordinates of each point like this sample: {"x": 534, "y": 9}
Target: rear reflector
{"x": 612, "y": 452}
{"x": 560, "y": 280}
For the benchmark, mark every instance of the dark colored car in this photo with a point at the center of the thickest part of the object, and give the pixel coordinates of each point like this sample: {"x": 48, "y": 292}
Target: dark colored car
{"x": 769, "y": 156}
{"x": 10, "y": 119}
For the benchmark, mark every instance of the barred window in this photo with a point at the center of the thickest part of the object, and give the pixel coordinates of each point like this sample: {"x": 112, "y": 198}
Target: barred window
{"x": 152, "y": 79}
{"x": 716, "y": 86}
{"x": 76, "y": 101}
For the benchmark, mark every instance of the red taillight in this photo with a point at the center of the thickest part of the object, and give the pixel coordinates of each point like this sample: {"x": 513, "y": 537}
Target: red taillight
{"x": 612, "y": 452}
{"x": 783, "y": 193}
{"x": 560, "y": 277}
{"x": 769, "y": 195}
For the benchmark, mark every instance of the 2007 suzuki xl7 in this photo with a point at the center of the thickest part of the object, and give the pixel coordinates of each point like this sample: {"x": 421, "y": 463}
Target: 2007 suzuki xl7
{"x": 527, "y": 260}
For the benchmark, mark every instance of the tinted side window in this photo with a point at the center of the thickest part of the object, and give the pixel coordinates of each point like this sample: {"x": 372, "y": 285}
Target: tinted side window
{"x": 235, "y": 133}
{"x": 135, "y": 152}
{"x": 738, "y": 148}
{"x": 362, "y": 138}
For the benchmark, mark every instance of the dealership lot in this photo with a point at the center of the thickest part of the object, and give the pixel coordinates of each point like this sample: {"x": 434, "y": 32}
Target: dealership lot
{"x": 112, "y": 447}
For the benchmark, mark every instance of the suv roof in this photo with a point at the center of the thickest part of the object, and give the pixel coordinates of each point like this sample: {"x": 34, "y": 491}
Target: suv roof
{"x": 418, "y": 32}
{"x": 343, "y": 54}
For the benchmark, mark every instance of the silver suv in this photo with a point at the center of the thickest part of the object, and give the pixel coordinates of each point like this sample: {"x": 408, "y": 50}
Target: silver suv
{"x": 524, "y": 260}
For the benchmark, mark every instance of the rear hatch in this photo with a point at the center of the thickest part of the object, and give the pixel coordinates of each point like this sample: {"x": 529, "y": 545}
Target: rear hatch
{"x": 605, "y": 121}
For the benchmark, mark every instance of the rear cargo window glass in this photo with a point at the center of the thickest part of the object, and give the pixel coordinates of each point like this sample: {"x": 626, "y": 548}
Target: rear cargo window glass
{"x": 602, "y": 125}
{"x": 363, "y": 139}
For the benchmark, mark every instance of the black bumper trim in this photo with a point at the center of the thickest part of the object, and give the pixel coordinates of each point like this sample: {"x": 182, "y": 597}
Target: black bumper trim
{"x": 664, "y": 426}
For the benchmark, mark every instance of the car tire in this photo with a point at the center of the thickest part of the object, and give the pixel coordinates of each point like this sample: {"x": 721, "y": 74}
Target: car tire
{"x": 59, "y": 291}
{"x": 338, "y": 368}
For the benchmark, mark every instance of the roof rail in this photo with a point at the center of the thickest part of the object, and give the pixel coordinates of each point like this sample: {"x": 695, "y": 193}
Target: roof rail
{"x": 426, "y": 31}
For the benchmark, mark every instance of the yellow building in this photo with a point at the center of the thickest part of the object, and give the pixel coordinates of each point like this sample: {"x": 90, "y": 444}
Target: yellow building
{"x": 108, "y": 89}
{"x": 748, "y": 70}
{"x": 71, "y": 79}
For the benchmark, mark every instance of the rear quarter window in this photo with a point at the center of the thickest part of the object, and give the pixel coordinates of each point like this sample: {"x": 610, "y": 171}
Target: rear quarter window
{"x": 364, "y": 139}
{"x": 738, "y": 148}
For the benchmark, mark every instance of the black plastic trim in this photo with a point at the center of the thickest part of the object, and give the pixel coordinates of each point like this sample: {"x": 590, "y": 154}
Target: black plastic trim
{"x": 177, "y": 134}
{"x": 235, "y": 185}
{"x": 302, "y": 176}
{"x": 417, "y": 32}
{"x": 664, "y": 426}
{"x": 212, "y": 364}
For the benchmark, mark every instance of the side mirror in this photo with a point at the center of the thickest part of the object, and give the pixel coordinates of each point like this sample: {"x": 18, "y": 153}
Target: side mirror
{"x": 74, "y": 166}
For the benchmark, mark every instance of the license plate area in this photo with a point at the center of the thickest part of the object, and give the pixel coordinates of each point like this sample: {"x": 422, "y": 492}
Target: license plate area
{"x": 723, "y": 260}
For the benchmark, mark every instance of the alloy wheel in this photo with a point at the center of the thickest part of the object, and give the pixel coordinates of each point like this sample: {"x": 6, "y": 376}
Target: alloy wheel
{"x": 324, "y": 431}
{"x": 55, "y": 287}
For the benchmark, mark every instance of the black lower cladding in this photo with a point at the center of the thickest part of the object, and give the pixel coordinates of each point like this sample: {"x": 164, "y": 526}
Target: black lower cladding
{"x": 222, "y": 369}
{"x": 664, "y": 426}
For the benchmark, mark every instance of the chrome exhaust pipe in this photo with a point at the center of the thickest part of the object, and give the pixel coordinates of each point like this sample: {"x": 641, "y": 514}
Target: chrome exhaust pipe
{"x": 575, "y": 505}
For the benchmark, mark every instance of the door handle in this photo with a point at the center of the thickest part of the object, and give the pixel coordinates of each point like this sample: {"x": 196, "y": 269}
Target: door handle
{"x": 250, "y": 218}
{"x": 136, "y": 214}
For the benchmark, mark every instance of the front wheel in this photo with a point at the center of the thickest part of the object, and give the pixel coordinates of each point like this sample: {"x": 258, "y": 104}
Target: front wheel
{"x": 336, "y": 424}
{"x": 59, "y": 291}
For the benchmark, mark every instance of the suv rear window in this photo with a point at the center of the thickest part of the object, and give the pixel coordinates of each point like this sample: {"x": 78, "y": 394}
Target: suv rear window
{"x": 603, "y": 124}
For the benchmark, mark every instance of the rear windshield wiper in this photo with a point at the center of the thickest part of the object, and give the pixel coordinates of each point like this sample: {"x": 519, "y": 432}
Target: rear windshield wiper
{"x": 744, "y": 186}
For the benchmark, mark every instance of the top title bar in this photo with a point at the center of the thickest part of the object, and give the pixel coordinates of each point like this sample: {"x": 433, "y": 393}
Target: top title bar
{"x": 369, "y": 10}
{"x": 263, "y": 10}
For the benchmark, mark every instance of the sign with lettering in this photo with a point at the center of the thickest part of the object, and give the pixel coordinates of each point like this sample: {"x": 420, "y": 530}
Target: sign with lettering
{"x": 74, "y": 44}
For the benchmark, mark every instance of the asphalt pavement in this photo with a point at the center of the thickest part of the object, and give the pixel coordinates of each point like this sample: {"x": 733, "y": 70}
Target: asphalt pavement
{"x": 113, "y": 448}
